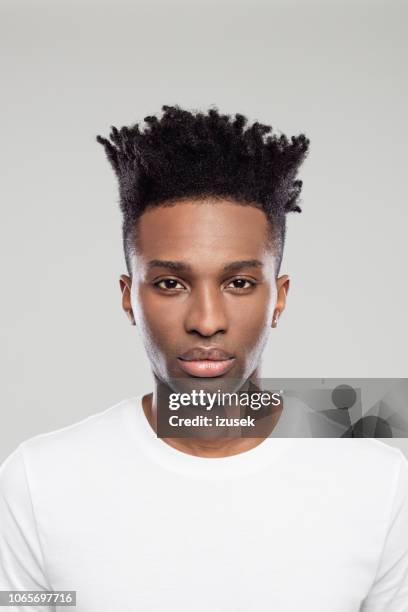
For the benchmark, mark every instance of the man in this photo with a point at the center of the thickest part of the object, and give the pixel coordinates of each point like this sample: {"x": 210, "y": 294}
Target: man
{"x": 204, "y": 521}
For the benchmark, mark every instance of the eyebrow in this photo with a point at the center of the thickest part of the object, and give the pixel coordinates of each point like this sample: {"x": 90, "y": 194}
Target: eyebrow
{"x": 243, "y": 263}
{"x": 180, "y": 266}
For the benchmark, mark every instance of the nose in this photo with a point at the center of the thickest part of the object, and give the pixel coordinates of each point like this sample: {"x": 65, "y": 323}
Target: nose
{"x": 206, "y": 314}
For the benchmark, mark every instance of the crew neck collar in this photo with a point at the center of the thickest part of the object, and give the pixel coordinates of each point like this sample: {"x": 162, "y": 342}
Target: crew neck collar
{"x": 170, "y": 458}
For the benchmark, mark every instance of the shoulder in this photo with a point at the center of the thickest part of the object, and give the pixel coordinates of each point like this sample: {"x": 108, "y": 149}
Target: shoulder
{"x": 380, "y": 453}
{"x": 73, "y": 445}
{"x": 386, "y": 462}
{"x": 360, "y": 451}
{"x": 355, "y": 463}
{"x": 376, "y": 449}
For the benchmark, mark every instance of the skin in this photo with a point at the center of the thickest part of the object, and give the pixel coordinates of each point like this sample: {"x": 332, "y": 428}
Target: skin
{"x": 203, "y": 303}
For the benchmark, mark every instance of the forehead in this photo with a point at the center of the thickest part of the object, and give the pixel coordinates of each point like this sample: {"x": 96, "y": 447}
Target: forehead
{"x": 203, "y": 231}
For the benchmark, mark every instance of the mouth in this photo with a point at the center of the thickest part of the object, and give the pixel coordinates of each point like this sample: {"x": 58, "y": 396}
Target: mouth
{"x": 206, "y": 363}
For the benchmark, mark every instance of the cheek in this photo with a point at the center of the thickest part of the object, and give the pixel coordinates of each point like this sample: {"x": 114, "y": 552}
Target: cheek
{"x": 253, "y": 317}
{"x": 156, "y": 323}
{"x": 251, "y": 332}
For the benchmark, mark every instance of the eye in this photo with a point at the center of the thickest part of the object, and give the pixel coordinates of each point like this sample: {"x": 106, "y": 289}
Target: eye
{"x": 169, "y": 284}
{"x": 241, "y": 284}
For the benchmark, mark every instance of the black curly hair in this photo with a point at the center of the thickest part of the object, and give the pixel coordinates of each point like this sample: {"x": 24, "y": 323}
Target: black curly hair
{"x": 193, "y": 155}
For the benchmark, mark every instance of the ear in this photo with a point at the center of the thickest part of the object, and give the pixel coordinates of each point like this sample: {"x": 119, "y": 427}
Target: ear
{"x": 282, "y": 285}
{"x": 125, "y": 283}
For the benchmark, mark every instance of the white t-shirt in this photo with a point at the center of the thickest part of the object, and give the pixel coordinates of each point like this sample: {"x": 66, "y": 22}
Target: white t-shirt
{"x": 107, "y": 509}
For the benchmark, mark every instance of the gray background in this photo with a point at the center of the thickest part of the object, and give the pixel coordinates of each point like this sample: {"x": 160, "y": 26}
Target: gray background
{"x": 336, "y": 70}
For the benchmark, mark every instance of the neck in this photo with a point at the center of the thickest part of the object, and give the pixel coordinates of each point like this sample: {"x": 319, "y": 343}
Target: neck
{"x": 213, "y": 442}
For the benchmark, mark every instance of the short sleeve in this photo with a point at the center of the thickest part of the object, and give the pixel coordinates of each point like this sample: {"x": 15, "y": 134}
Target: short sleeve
{"x": 389, "y": 591}
{"x": 21, "y": 558}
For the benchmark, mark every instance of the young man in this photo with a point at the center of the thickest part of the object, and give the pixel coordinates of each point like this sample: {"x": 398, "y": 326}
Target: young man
{"x": 218, "y": 522}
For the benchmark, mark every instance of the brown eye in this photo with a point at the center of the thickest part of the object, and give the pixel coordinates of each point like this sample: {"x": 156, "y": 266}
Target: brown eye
{"x": 241, "y": 284}
{"x": 169, "y": 284}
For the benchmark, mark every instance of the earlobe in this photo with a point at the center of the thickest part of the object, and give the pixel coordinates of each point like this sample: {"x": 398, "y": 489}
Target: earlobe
{"x": 131, "y": 317}
{"x": 283, "y": 288}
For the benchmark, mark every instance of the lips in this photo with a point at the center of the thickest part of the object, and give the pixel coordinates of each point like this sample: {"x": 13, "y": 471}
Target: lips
{"x": 203, "y": 362}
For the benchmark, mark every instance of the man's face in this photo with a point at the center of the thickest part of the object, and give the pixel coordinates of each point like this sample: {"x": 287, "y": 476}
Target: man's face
{"x": 203, "y": 292}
